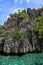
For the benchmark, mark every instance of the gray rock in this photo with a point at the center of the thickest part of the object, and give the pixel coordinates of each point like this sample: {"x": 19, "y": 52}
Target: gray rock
{"x": 8, "y": 46}
{"x": 23, "y": 26}
{"x": 41, "y": 13}
{"x": 16, "y": 47}
{"x": 32, "y": 13}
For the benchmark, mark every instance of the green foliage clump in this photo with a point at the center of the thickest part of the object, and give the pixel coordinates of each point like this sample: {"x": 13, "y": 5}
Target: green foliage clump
{"x": 1, "y": 27}
{"x": 41, "y": 33}
{"x": 19, "y": 35}
{"x": 22, "y": 15}
{"x": 39, "y": 27}
{"x": 5, "y": 34}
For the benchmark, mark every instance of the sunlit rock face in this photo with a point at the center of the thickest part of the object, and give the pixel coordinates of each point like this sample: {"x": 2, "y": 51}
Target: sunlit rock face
{"x": 24, "y": 25}
{"x": 17, "y": 46}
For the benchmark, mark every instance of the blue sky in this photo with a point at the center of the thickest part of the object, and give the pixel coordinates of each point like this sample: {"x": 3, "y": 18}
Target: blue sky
{"x": 10, "y": 6}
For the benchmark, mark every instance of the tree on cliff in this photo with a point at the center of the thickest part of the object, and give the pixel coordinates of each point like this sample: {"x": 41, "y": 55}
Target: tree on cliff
{"x": 39, "y": 27}
{"x": 22, "y": 14}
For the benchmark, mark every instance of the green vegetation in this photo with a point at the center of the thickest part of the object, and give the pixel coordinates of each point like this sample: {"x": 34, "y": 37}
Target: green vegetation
{"x": 22, "y": 15}
{"x": 20, "y": 35}
{"x": 39, "y": 27}
{"x": 1, "y": 27}
{"x": 5, "y": 34}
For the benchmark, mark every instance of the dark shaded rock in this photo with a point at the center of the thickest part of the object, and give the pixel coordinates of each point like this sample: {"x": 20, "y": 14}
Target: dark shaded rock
{"x": 42, "y": 47}
{"x": 16, "y": 47}
{"x": 35, "y": 12}
{"x": 1, "y": 44}
{"x": 30, "y": 12}
{"x": 25, "y": 46}
{"x": 12, "y": 21}
{"x": 2, "y": 41}
{"x": 21, "y": 47}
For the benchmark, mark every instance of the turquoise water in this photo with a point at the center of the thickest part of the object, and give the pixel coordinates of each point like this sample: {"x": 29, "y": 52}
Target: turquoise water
{"x": 28, "y": 59}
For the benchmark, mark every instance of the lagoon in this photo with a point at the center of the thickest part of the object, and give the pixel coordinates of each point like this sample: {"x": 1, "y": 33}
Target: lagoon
{"x": 27, "y": 59}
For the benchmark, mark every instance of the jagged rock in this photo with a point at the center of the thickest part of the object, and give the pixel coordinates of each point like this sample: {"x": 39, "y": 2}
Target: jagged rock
{"x": 11, "y": 22}
{"x": 16, "y": 47}
{"x": 23, "y": 25}
{"x": 8, "y": 45}
{"x": 34, "y": 12}
{"x": 25, "y": 46}
{"x": 2, "y": 40}
{"x": 42, "y": 13}
{"x": 1, "y": 44}
{"x": 22, "y": 47}
{"x": 28, "y": 46}
{"x": 16, "y": 24}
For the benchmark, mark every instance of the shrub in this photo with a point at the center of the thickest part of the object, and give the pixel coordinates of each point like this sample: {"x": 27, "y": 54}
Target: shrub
{"x": 1, "y": 27}
{"x": 5, "y": 34}
{"x": 39, "y": 26}
{"x": 19, "y": 35}
{"x": 41, "y": 34}
{"x": 22, "y": 15}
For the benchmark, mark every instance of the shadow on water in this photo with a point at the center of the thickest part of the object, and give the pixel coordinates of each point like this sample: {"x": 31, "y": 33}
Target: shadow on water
{"x": 17, "y": 54}
{"x": 38, "y": 64}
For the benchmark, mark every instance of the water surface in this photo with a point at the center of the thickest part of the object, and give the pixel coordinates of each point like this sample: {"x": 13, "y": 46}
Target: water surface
{"x": 28, "y": 59}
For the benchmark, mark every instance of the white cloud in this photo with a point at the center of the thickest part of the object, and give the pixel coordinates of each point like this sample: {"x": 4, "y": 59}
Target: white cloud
{"x": 27, "y": 1}
{"x": 16, "y": 10}
{"x": 21, "y": 1}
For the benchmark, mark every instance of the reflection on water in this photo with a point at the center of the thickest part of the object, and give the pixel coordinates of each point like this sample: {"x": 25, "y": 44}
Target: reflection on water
{"x": 28, "y": 59}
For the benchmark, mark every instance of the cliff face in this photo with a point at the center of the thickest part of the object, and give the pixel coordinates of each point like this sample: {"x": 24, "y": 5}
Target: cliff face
{"x": 18, "y": 36}
{"x": 35, "y": 12}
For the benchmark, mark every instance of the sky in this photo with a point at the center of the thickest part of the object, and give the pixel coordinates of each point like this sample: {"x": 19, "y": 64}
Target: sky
{"x": 11, "y": 6}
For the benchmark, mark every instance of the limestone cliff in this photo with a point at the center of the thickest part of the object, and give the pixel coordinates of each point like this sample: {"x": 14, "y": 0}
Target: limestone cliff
{"x": 17, "y": 35}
